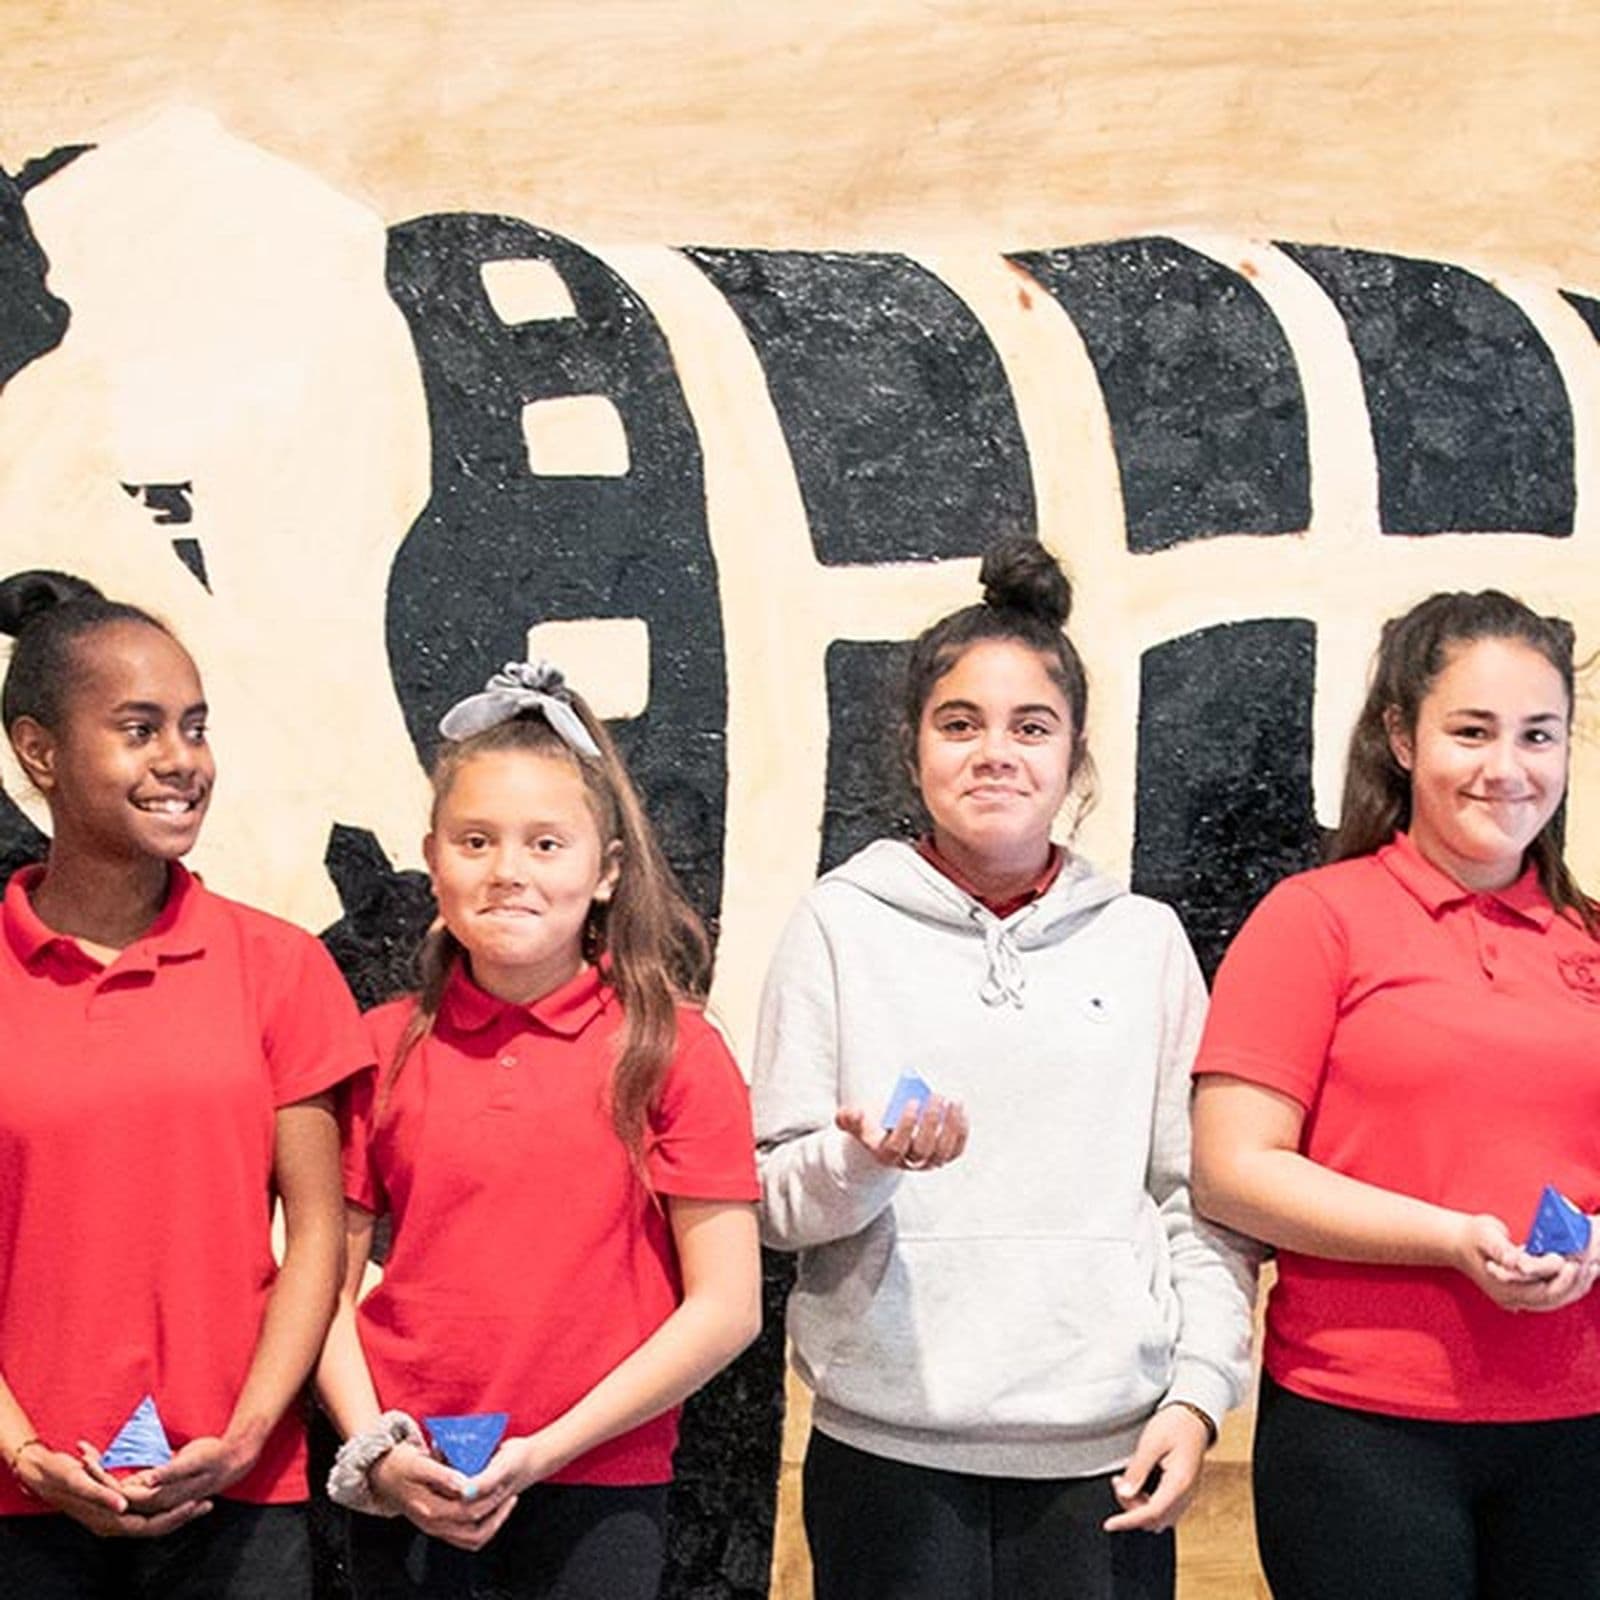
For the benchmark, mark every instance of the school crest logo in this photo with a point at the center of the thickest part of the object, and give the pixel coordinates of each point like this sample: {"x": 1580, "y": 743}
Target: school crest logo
{"x": 1581, "y": 972}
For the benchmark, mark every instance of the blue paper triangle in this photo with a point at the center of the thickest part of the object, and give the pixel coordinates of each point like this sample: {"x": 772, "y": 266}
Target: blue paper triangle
{"x": 141, "y": 1441}
{"x": 468, "y": 1442}
{"x": 909, "y": 1088}
{"x": 1558, "y": 1227}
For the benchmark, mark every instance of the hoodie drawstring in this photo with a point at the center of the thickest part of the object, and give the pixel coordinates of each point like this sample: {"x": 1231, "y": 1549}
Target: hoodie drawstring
{"x": 1004, "y": 981}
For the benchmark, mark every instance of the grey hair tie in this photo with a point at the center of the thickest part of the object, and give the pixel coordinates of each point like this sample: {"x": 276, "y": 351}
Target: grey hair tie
{"x": 521, "y": 686}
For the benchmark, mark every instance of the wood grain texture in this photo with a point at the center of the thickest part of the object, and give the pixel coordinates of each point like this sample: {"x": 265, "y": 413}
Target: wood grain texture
{"x": 1419, "y": 126}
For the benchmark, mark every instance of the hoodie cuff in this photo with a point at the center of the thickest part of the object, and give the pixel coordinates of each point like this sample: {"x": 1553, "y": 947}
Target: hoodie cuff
{"x": 1199, "y": 1384}
{"x": 853, "y": 1168}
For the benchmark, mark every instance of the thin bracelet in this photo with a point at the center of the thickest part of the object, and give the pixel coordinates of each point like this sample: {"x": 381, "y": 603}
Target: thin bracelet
{"x": 16, "y": 1457}
{"x": 1204, "y": 1416}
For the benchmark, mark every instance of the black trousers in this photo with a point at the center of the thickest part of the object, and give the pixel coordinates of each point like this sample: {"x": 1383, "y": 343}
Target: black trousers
{"x": 1355, "y": 1505}
{"x": 881, "y": 1530}
{"x": 564, "y": 1541}
{"x": 233, "y": 1552}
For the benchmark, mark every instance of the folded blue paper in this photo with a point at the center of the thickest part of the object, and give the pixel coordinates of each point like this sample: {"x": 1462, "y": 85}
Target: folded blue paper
{"x": 141, "y": 1441}
{"x": 1559, "y": 1227}
{"x": 910, "y": 1088}
{"x": 468, "y": 1442}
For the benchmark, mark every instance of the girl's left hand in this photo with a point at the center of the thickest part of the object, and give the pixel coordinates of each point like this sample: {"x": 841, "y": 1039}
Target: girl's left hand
{"x": 1174, "y": 1440}
{"x": 199, "y": 1471}
{"x": 518, "y": 1464}
{"x": 1551, "y": 1282}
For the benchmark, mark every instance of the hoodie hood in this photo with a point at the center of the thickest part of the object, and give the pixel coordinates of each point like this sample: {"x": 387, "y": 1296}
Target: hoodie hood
{"x": 895, "y": 873}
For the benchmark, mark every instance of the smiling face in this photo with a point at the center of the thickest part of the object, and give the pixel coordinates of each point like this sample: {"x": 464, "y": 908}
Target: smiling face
{"x": 995, "y": 755}
{"x": 126, "y": 770}
{"x": 517, "y": 860}
{"x": 1487, "y": 759}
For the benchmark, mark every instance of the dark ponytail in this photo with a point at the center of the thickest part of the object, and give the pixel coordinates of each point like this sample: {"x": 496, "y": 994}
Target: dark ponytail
{"x": 47, "y": 613}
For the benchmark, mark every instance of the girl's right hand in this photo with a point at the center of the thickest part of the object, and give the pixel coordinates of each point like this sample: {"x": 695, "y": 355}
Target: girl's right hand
{"x": 83, "y": 1490}
{"x": 1514, "y": 1280}
{"x": 430, "y": 1496}
{"x": 927, "y": 1137}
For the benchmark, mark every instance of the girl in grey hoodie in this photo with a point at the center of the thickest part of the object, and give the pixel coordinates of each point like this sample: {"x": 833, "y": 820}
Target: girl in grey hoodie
{"x": 1021, "y": 1343}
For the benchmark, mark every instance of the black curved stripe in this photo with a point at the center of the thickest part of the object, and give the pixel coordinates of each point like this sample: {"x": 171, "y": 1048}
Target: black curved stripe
{"x": 1207, "y": 414}
{"x": 499, "y": 549}
{"x": 893, "y": 402}
{"x": 1224, "y": 772}
{"x": 869, "y": 796}
{"x": 1470, "y": 416}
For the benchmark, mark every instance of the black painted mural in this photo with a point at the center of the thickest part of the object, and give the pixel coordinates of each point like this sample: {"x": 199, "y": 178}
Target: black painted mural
{"x": 1200, "y": 386}
{"x": 501, "y": 548}
{"x": 1470, "y": 416}
{"x": 906, "y": 445}
{"x": 1225, "y": 772}
{"x": 893, "y": 403}
{"x": 32, "y": 320}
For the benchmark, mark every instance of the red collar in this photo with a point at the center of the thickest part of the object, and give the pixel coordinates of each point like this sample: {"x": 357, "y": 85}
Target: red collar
{"x": 567, "y": 1010}
{"x": 1436, "y": 889}
{"x": 177, "y": 932}
{"x": 1001, "y": 908}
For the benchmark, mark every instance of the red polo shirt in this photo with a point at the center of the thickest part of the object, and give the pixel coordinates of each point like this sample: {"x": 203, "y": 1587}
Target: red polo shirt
{"x": 528, "y": 1259}
{"x": 137, "y": 1105}
{"x": 1445, "y": 1044}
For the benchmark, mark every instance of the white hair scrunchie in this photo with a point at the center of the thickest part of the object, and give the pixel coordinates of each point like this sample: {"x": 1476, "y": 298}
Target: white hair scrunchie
{"x": 521, "y": 686}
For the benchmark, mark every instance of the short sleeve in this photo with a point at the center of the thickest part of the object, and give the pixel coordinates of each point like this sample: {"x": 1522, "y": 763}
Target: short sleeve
{"x": 1277, "y": 995}
{"x": 700, "y": 1145}
{"x": 358, "y": 1111}
{"x": 355, "y": 1132}
{"x": 312, "y": 1034}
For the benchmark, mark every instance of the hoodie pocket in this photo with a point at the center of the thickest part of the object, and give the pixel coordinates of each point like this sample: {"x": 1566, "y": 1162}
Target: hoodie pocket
{"x": 997, "y": 1337}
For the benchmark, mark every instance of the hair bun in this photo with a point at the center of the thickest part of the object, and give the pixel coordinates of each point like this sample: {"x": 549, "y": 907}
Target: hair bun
{"x": 25, "y": 595}
{"x": 1021, "y": 575}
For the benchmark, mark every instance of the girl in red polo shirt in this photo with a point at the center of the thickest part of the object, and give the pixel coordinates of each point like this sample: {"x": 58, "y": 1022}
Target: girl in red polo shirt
{"x": 562, "y": 1145}
{"x": 1401, "y": 1052}
{"x": 167, "y": 1061}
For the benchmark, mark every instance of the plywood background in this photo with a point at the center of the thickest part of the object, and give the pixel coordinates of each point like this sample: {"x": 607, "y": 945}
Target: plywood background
{"x": 1427, "y": 128}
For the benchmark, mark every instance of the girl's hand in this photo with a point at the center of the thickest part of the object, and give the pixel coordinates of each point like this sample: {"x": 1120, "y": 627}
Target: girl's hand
{"x": 925, "y": 1137}
{"x": 86, "y": 1492}
{"x": 1174, "y": 1441}
{"x": 518, "y": 1464}
{"x": 1565, "y": 1279}
{"x": 200, "y": 1469}
{"x": 1513, "y": 1279}
{"x": 435, "y": 1498}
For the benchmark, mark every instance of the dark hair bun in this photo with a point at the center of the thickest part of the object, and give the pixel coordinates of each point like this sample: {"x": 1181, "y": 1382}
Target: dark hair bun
{"x": 1021, "y": 575}
{"x": 25, "y": 595}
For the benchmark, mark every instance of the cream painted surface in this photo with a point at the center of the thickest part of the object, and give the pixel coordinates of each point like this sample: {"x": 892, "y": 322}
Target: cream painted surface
{"x": 1424, "y": 126}
{"x": 230, "y": 328}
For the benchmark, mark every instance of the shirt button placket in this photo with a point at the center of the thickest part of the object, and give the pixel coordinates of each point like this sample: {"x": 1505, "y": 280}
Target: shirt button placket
{"x": 1483, "y": 923}
{"x": 504, "y": 1094}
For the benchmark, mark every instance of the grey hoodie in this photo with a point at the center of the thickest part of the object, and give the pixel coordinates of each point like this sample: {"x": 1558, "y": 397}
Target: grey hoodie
{"x": 1023, "y": 1310}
